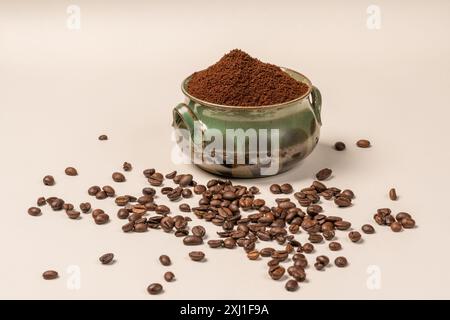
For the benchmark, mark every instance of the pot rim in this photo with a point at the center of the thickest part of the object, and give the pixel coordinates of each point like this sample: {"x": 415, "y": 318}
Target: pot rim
{"x": 215, "y": 105}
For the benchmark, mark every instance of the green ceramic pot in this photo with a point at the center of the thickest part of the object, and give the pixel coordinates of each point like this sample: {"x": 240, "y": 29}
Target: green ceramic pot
{"x": 297, "y": 124}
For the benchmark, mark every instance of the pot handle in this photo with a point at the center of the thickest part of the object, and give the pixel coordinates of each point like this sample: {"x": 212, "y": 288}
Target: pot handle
{"x": 316, "y": 103}
{"x": 184, "y": 118}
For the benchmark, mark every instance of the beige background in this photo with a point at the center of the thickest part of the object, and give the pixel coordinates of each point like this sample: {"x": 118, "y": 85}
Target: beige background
{"x": 120, "y": 74}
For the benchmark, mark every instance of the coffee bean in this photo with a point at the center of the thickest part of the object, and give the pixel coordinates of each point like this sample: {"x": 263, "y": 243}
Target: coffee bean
{"x": 148, "y": 172}
{"x": 166, "y": 190}
{"x": 96, "y": 212}
{"x": 342, "y": 225}
{"x": 315, "y": 238}
{"x": 102, "y": 218}
{"x": 127, "y": 166}
{"x": 297, "y": 272}
{"x": 171, "y": 175}
{"x": 49, "y": 180}
{"x": 334, "y": 246}
{"x": 198, "y": 231}
{"x": 196, "y": 255}
{"x": 253, "y": 254}
{"x": 354, "y": 236}
{"x": 68, "y": 206}
{"x": 402, "y": 215}
{"x": 57, "y": 204}
{"x": 154, "y": 288}
{"x": 324, "y": 260}
{"x": 50, "y": 275}
{"x": 363, "y": 143}
{"x": 339, "y": 146}
{"x": 319, "y": 266}
{"x": 110, "y": 192}
{"x": 229, "y": 243}
{"x": 192, "y": 240}
{"x": 340, "y": 262}
{"x": 140, "y": 227}
{"x": 73, "y": 214}
{"x": 215, "y": 243}
{"x": 396, "y": 226}
{"x": 148, "y": 191}
{"x": 92, "y": 191}
{"x": 328, "y": 234}
{"x": 41, "y": 201}
{"x": 123, "y": 213}
{"x": 186, "y": 193}
{"x": 275, "y": 188}
{"x": 128, "y": 227}
{"x": 286, "y": 188}
{"x": 185, "y": 180}
{"x": 389, "y": 219}
{"x": 348, "y": 193}
{"x": 121, "y": 200}
{"x": 106, "y": 258}
{"x": 34, "y": 211}
{"x": 367, "y": 228}
{"x": 199, "y": 189}
{"x": 393, "y": 194}
{"x": 118, "y": 177}
{"x": 165, "y": 260}
{"x": 291, "y": 285}
{"x": 323, "y": 174}
{"x": 85, "y": 207}
{"x": 162, "y": 209}
{"x": 229, "y": 195}
{"x": 307, "y": 248}
{"x": 276, "y": 272}
{"x": 343, "y": 202}
{"x": 184, "y": 207}
{"x": 408, "y": 223}
{"x": 156, "y": 179}
{"x": 103, "y": 137}
{"x": 169, "y": 276}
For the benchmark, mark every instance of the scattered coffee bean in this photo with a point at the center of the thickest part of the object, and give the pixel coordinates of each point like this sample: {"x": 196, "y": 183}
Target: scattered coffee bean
{"x": 393, "y": 194}
{"x": 275, "y": 188}
{"x": 198, "y": 231}
{"x": 339, "y": 146}
{"x": 110, "y": 192}
{"x": 323, "y": 174}
{"x": 128, "y": 227}
{"x": 123, "y": 213}
{"x": 192, "y": 240}
{"x": 348, "y": 193}
{"x": 106, "y": 258}
{"x": 396, "y": 226}
{"x": 215, "y": 243}
{"x": 402, "y": 215}
{"x": 328, "y": 234}
{"x": 324, "y": 260}
{"x": 156, "y": 179}
{"x": 49, "y": 180}
{"x": 343, "y": 202}
{"x": 184, "y": 207}
{"x": 171, "y": 175}
{"x": 162, "y": 209}
{"x": 165, "y": 260}
{"x": 199, "y": 189}
{"x": 319, "y": 266}
{"x": 92, "y": 191}
{"x": 408, "y": 223}
{"x": 186, "y": 193}
{"x": 340, "y": 262}
{"x": 229, "y": 243}
{"x": 102, "y": 218}
{"x": 342, "y": 225}
{"x": 96, "y": 212}
{"x": 154, "y": 288}
{"x": 253, "y": 255}
{"x": 73, "y": 214}
{"x": 307, "y": 248}
{"x": 127, "y": 166}
{"x": 103, "y": 137}
{"x": 368, "y": 229}
{"x": 363, "y": 143}
{"x": 315, "y": 238}
{"x": 354, "y": 236}
{"x": 68, "y": 206}
{"x": 286, "y": 188}
{"x": 276, "y": 272}
{"x": 118, "y": 177}
{"x": 169, "y": 276}
{"x": 85, "y": 207}
{"x": 291, "y": 285}
{"x": 71, "y": 171}
{"x": 50, "y": 275}
{"x": 196, "y": 255}
{"x": 140, "y": 226}
{"x": 41, "y": 201}
{"x": 34, "y": 211}
{"x": 334, "y": 246}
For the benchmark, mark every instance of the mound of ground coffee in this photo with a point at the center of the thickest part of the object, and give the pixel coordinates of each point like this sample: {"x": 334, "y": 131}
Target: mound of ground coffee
{"x": 240, "y": 80}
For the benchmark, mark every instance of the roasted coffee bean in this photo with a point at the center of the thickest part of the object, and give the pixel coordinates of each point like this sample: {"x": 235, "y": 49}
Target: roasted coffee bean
{"x": 340, "y": 262}
{"x": 319, "y": 266}
{"x": 229, "y": 195}
{"x": 110, "y": 192}
{"x": 184, "y": 207}
{"x": 148, "y": 191}
{"x": 313, "y": 210}
{"x": 50, "y": 275}
{"x": 162, "y": 209}
{"x": 145, "y": 199}
{"x": 393, "y": 194}
{"x": 286, "y": 188}
{"x": 148, "y": 172}
{"x": 363, "y": 143}
{"x": 315, "y": 238}
{"x": 402, "y": 215}
{"x": 128, "y": 227}
{"x": 199, "y": 189}
{"x": 253, "y": 190}
{"x": 166, "y": 190}
{"x": 135, "y": 216}
{"x": 215, "y": 243}
{"x": 102, "y": 218}
{"x": 192, "y": 240}
{"x": 408, "y": 223}
{"x": 368, "y": 229}
{"x": 342, "y": 225}
{"x": 34, "y": 211}
{"x": 139, "y": 209}
{"x": 293, "y": 228}
{"x": 49, "y": 180}
{"x": 197, "y": 255}
{"x": 41, "y": 201}
{"x": 92, "y": 191}
{"x": 384, "y": 211}
{"x": 118, "y": 177}
{"x": 348, "y": 193}
{"x": 229, "y": 243}
{"x": 253, "y": 254}
{"x": 328, "y": 234}
{"x": 165, "y": 260}
{"x": 121, "y": 201}
{"x": 96, "y": 212}
{"x": 335, "y": 246}
{"x": 154, "y": 288}
{"x": 307, "y": 248}
{"x": 379, "y": 219}
{"x": 85, "y": 207}
{"x": 273, "y": 262}
{"x": 324, "y": 260}
{"x": 127, "y": 166}
{"x": 123, "y": 213}
{"x": 73, "y": 214}
{"x": 103, "y": 137}
{"x": 198, "y": 231}
{"x": 297, "y": 272}
{"x": 156, "y": 179}
{"x": 185, "y": 180}
{"x": 354, "y": 236}
{"x": 343, "y": 202}
{"x": 68, "y": 206}
{"x": 71, "y": 171}
{"x": 276, "y": 272}
{"x": 323, "y": 174}
{"x": 267, "y": 252}
{"x": 396, "y": 226}
{"x": 339, "y": 146}
{"x": 186, "y": 193}
{"x": 275, "y": 188}
{"x": 106, "y": 258}
{"x": 169, "y": 276}
{"x": 57, "y": 204}
{"x": 140, "y": 227}
{"x": 291, "y": 285}
{"x": 171, "y": 175}
{"x": 389, "y": 219}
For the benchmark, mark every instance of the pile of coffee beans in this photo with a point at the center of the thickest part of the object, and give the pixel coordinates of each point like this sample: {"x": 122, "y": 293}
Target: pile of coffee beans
{"x": 246, "y": 220}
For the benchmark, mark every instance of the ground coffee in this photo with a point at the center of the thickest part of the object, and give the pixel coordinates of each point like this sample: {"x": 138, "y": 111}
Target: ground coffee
{"x": 240, "y": 80}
